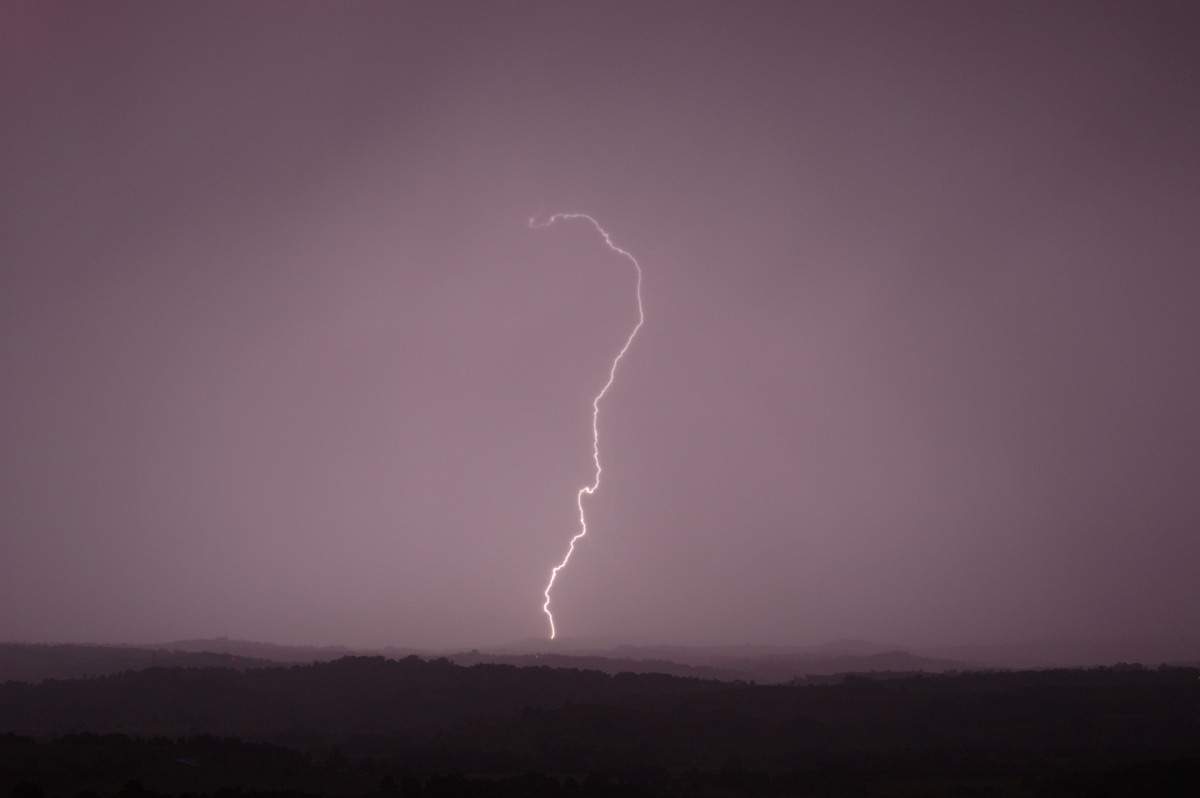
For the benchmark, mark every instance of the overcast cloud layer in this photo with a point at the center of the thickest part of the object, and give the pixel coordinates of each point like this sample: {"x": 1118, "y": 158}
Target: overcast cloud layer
{"x": 281, "y": 359}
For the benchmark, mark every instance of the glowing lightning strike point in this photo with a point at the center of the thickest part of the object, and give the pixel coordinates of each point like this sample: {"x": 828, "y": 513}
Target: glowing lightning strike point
{"x": 612, "y": 374}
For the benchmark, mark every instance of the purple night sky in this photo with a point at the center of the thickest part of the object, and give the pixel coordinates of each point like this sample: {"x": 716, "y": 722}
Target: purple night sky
{"x": 281, "y": 359}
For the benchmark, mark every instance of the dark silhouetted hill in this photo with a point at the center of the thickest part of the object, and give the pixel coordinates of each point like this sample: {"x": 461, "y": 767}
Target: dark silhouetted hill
{"x": 26, "y": 662}
{"x": 609, "y": 665}
{"x": 359, "y": 722}
{"x": 352, "y": 694}
{"x": 280, "y": 653}
{"x": 764, "y": 664}
{"x": 35, "y": 662}
{"x": 1079, "y": 653}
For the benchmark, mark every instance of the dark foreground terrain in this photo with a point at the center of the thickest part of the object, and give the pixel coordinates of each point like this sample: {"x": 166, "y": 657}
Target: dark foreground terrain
{"x": 374, "y": 726}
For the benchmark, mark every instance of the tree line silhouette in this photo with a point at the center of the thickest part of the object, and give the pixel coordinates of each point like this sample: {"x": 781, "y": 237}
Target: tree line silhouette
{"x": 370, "y": 725}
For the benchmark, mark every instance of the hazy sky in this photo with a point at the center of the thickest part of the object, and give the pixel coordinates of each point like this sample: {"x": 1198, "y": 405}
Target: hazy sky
{"x": 281, "y": 359}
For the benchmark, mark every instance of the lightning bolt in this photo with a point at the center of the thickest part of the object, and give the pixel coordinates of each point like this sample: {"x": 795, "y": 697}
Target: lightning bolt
{"x": 612, "y": 375}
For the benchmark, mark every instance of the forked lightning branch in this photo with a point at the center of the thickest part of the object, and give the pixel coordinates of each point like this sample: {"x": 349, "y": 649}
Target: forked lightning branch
{"x": 612, "y": 375}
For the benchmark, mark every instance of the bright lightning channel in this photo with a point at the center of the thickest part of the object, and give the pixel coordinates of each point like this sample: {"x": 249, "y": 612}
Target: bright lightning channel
{"x": 612, "y": 375}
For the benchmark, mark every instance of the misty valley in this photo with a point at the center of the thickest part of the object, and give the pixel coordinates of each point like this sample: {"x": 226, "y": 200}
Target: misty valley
{"x": 142, "y": 723}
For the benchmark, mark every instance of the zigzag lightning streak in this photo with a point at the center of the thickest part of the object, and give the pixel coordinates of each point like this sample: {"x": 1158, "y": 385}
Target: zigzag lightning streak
{"x": 612, "y": 374}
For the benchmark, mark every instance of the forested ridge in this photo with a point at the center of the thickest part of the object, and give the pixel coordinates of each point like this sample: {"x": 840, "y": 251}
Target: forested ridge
{"x": 352, "y": 694}
{"x": 365, "y": 725}
{"x": 26, "y": 662}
